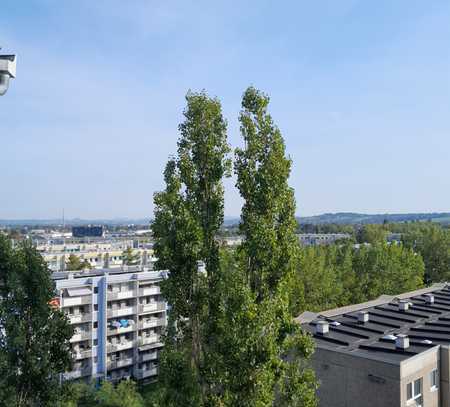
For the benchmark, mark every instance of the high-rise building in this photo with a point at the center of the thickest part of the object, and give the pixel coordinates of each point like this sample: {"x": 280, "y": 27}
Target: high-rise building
{"x": 118, "y": 316}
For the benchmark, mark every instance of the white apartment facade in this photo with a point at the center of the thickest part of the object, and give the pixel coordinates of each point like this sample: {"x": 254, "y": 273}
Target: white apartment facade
{"x": 118, "y": 317}
{"x": 99, "y": 255}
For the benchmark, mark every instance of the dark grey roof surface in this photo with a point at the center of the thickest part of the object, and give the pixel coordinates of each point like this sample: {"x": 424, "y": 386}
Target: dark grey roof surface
{"x": 427, "y": 325}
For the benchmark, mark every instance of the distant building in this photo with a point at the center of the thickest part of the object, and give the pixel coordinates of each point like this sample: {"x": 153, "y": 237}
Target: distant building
{"x": 99, "y": 254}
{"x": 390, "y": 352}
{"x": 118, "y": 317}
{"x": 313, "y": 239}
{"x": 87, "y": 231}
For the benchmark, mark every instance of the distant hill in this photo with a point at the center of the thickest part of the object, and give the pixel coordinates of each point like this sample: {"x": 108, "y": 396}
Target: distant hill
{"x": 73, "y": 222}
{"x": 358, "y": 218}
{"x": 337, "y": 218}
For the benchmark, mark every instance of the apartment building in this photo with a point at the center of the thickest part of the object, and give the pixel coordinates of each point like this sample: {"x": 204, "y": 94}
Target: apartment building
{"x": 101, "y": 254}
{"x": 393, "y": 351}
{"x": 314, "y": 239}
{"x": 118, "y": 317}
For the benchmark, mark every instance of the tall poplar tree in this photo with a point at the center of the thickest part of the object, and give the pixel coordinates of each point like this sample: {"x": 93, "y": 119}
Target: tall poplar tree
{"x": 188, "y": 215}
{"x": 34, "y": 339}
{"x": 269, "y": 253}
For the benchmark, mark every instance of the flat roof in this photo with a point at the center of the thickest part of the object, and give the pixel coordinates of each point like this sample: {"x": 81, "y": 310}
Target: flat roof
{"x": 63, "y": 275}
{"x": 426, "y": 325}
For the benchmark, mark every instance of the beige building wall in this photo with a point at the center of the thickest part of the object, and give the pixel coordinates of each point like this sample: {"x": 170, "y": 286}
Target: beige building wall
{"x": 420, "y": 366}
{"x": 347, "y": 380}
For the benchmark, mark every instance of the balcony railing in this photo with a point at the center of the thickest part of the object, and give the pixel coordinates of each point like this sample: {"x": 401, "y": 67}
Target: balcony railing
{"x": 80, "y": 318}
{"x": 146, "y": 340}
{"x": 77, "y": 373}
{"x": 119, "y": 312}
{"x": 82, "y": 336}
{"x": 145, "y": 373}
{"x": 152, "y": 323}
{"x": 117, "y": 331}
{"x": 152, "y": 307}
{"x": 121, "y": 295}
{"x": 83, "y": 354}
{"x": 74, "y": 301}
{"x": 149, "y": 291}
{"x": 120, "y": 346}
{"x": 145, "y": 357}
{"x": 114, "y": 364}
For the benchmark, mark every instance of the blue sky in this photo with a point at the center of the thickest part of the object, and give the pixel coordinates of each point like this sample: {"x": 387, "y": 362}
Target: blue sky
{"x": 359, "y": 89}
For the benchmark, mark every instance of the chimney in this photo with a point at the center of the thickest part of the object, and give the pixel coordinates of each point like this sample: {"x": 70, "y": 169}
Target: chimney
{"x": 363, "y": 317}
{"x": 322, "y": 327}
{"x": 403, "y": 305}
{"x": 429, "y": 298}
{"x": 402, "y": 341}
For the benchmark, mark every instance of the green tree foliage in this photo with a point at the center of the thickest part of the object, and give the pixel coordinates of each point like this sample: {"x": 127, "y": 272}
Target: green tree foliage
{"x": 338, "y": 275}
{"x": 188, "y": 215}
{"x": 372, "y": 234}
{"x": 74, "y": 263}
{"x": 125, "y": 394}
{"x": 129, "y": 258}
{"x": 433, "y": 244}
{"x": 34, "y": 344}
{"x": 274, "y": 345}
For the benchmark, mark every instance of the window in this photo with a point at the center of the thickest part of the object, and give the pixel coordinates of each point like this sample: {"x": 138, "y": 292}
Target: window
{"x": 414, "y": 390}
{"x": 434, "y": 379}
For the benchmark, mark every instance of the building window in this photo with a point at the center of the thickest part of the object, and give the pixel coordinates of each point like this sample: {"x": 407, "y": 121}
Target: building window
{"x": 434, "y": 379}
{"x": 414, "y": 390}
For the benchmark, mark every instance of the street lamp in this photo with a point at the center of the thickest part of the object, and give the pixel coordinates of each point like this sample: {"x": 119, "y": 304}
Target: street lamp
{"x": 7, "y": 71}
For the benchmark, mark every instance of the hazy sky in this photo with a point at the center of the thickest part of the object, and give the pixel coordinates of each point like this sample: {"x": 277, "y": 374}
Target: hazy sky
{"x": 359, "y": 89}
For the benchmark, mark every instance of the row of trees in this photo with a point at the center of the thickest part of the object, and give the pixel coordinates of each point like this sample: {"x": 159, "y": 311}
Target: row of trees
{"x": 338, "y": 275}
{"x": 231, "y": 340}
{"x": 430, "y": 240}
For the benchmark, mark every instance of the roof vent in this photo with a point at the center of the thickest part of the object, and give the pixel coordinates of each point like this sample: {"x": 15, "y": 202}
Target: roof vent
{"x": 322, "y": 327}
{"x": 363, "y": 317}
{"x": 389, "y": 337}
{"x": 402, "y": 341}
{"x": 429, "y": 298}
{"x": 403, "y": 305}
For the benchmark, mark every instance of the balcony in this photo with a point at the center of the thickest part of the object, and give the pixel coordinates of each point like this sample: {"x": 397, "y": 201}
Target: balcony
{"x": 152, "y": 307}
{"x": 145, "y": 373}
{"x": 120, "y": 312}
{"x": 118, "y": 377}
{"x": 74, "y": 301}
{"x": 154, "y": 290}
{"x": 117, "y": 331}
{"x": 147, "y": 340}
{"x": 115, "y": 364}
{"x": 83, "y": 354}
{"x": 81, "y": 336}
{"x": 77, "y": 373}
{"x": 120, "y": 346}
{"x": 145, "y": 357}
{"x": 80, "y": 318}
{"x": 151, "y": 323}
{"x": 121, "y": 295}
